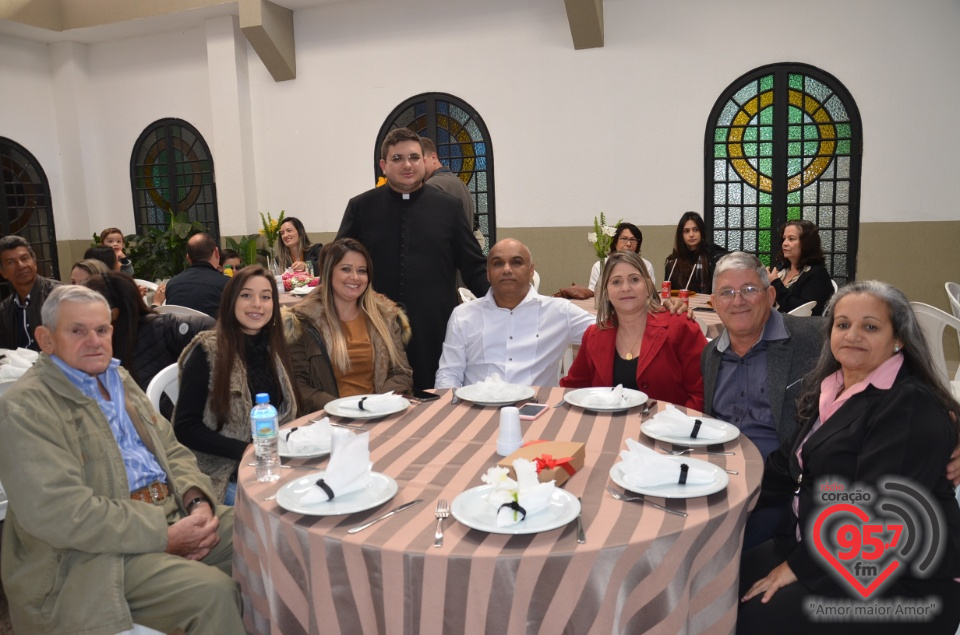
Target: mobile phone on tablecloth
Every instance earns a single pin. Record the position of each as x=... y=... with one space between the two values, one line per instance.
x=423 y=395
x=530 y=411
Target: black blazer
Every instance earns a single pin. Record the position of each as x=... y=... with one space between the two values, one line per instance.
x=902 y=431
x=813 y=284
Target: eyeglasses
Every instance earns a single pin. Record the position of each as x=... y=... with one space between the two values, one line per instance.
x=397 y=159
x=628 y=241
x=749 y=293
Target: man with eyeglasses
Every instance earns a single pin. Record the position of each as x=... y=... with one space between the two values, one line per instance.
x=418 y=239
x=20 y=313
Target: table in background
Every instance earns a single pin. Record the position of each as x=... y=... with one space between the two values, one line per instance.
x=641 y=570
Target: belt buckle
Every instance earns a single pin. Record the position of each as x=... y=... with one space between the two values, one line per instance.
x=155 y=492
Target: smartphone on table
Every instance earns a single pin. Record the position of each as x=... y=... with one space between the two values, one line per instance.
x=423 y=395
x=530 y=411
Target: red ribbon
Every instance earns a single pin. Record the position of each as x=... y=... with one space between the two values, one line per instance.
x=546 y=461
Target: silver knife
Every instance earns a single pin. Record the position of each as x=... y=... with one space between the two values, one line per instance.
x=387 y=515
x=581 y=538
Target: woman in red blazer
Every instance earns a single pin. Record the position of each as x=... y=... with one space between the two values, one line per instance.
x=636 y=342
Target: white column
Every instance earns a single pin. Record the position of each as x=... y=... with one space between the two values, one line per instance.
x=232 y=143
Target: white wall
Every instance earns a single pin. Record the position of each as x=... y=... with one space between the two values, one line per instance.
x=617 y=129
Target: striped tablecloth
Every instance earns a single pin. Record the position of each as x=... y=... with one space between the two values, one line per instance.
x=641 y=570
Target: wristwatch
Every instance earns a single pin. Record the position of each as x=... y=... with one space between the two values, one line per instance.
x=196 y=501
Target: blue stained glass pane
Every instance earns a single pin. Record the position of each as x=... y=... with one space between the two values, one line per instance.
x=443 y=137
x=443 y=107
x=480 y=148
x=481 y=163
x=420 y=108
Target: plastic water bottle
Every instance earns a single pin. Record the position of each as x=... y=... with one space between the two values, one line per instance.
x=263 y=420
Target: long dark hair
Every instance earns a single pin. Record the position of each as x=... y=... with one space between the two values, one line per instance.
x=286 y=257
x=231 y=338
x=122 y=294
x=916 y=354
x=633 y=230
x=811 y=250
x=684 y=260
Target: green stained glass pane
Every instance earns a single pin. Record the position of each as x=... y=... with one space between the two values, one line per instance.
x=766 y=82
x=750 y=134
x=766 y=198
x=835 y=107
x=794 y=115
x=766 y=116
x=844 y=131
x=794 y=133
x=750 y=149
x=766 y=133
x=719 y=150
x=720 y=134
x=793 y=149
x=810 y=148
x=766 y=167
x=746 y=93
x=766 y=149
x=764 y=217
x=796 y=81
x=810 y=132
x=843 y=147
x=763 y=245
x=793 y=212
x=793 y=197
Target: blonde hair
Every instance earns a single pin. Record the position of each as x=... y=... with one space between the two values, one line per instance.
x=606 y=314
x=330 y=257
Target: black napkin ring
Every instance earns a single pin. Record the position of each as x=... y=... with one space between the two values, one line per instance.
x=291 y=431
x=360 y=403
x=515 y=506
x=684 y=468
x=696 y=428
x=326 y=488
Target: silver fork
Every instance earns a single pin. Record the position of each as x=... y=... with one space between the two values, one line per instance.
x=693 y=451
x=443 y=510
x=640 y=499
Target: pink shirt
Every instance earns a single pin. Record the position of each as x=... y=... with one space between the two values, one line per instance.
x=882 y=377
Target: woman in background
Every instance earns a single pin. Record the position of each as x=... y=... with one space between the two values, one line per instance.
x=628 y=237
x=294 y=249
x=802 y=276
x=85 y=269
x=222 y=371
x=638 y=343
x=346 y=339
x=690 y=265
x=113 y=238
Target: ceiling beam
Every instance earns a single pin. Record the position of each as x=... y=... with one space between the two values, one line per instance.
x=586 y=23
x=269 y=29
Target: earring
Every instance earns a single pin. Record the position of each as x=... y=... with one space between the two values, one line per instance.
x=896 y=349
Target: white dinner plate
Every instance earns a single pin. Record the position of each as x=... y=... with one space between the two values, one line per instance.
x=302 y=290
x=730 y=431
x=511 y=394
x=632 y=399
x=471 y=509
x=346 y=407
x=323 y=451
x=675 y=490
x=378 y=491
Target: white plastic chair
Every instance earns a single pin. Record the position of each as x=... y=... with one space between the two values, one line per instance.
x=178 y=310
x=146 y=284
x=536 y=280
x=834 y=283
x=933 y=321
x=139 y=629
x=953 y=292
x=3 y=503
x=466 y=295
x=166 y=381
x=804 y=310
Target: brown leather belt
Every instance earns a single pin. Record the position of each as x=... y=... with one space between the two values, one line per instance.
x=155 y=492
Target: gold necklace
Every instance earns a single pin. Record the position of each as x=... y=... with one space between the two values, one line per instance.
x=629 y=355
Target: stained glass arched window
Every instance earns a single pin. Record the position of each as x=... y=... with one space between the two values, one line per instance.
x=171 y=170
x=463 y=145
x=783 y=142
x=25 y=207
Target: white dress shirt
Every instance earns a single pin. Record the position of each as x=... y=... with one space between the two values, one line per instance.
x=524 y=344
x=598 y=269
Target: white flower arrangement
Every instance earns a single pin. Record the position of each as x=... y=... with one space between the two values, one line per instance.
x=602 y=235
x=527 y=491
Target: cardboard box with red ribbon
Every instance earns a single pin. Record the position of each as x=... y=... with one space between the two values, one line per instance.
x=555 y=460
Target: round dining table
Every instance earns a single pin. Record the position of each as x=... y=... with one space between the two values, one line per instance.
x=639 y=570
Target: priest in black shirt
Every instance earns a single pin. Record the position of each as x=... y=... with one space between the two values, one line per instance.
x=418 y=239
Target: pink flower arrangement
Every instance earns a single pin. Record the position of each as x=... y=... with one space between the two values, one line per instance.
x=294 y=279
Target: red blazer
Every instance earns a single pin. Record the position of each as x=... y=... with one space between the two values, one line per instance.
x=668 y=368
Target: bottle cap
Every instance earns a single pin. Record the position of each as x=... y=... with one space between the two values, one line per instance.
x=263 y=397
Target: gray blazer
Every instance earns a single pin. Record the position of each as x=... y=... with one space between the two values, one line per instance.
x=787 y=361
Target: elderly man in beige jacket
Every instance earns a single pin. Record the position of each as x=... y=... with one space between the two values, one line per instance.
x=110 y=523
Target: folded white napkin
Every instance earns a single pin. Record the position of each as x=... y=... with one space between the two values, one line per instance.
x=642 y=467
x=312 y=439
x=532 y=496
x=606 y=399
x=673 y=423
x=493 y=388
x=19 y=358
x=387 y=402
x=9 y=372
x=348 y=470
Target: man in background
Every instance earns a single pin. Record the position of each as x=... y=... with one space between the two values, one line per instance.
x=201 y=284
x=20 y=313
x=439 y=176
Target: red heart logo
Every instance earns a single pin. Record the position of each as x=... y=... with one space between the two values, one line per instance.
x=865 y=591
